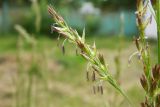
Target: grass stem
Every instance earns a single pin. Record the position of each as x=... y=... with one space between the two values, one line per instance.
x=158 y=28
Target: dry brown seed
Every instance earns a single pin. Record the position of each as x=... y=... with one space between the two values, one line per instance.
x=53 y=14
x=51 y=11
x=63 y=34
x=147 y=105
x=153 y=85
x=146 y=102
x=144 y=69
x=158 y=68
x=143 y=82
x=96 y=70
x=93 y=76
x=139 y=20
x=81 y=45
x=155 y=72
x=101 y=58
x=82 y=51
x=143 y=105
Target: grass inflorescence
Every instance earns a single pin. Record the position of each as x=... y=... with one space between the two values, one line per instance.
x=97 y=70
x=150 y=77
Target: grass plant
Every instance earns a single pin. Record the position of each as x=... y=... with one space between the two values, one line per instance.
x=30 y=77
x=97 y=70
x=151 y=75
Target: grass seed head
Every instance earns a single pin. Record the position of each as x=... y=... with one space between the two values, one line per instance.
x=153 y=86
x=143 y=104
x=86 y=51
x=54 y=15
x=81 y=46
x=101 y=58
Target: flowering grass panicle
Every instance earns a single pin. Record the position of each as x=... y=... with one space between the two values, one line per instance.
x=97 y=68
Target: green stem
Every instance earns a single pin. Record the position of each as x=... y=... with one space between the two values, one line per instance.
x=158 y=28
x=29 y=92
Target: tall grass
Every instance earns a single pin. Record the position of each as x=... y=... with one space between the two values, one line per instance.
x=38 y=16
x=30 y=78
x=158 y=27
x=151 y=75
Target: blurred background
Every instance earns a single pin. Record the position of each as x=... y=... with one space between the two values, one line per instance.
x=102 y=17
x=35 y=73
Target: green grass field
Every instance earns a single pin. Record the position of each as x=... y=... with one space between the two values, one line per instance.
x=65 y=74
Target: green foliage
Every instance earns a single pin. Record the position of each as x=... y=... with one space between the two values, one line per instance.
x=35 y=70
